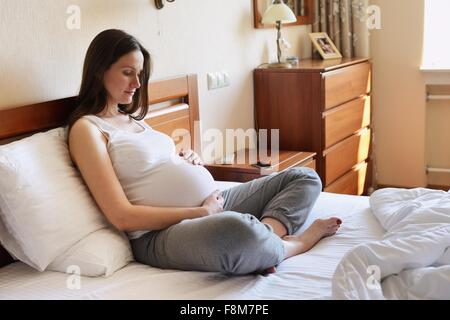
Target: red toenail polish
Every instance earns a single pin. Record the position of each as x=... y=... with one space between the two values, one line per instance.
x=339 y=221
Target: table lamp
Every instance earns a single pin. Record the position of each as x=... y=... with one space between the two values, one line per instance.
x=278 y=12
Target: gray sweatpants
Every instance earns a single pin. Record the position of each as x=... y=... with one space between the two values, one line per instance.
x=235 y=241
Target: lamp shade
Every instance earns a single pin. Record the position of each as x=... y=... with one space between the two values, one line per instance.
x=278 y=11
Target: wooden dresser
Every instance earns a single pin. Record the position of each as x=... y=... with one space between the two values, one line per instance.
x=322 y=106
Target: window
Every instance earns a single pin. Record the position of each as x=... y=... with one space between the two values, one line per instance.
x=436 y=47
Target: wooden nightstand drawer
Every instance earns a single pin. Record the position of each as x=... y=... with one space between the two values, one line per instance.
x=309 y=164
x=223 y=174
x=351 y=183
x=343 y=121
x=346 y=154
x=347 y=83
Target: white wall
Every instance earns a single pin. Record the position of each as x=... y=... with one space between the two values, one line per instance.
x=41 y=60
x=399 y=93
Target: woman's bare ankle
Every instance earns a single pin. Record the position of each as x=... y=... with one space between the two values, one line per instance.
x=319 y=229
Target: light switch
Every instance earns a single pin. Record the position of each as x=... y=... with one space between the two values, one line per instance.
x=212 y=81
x=218 y=80
x=226 y=79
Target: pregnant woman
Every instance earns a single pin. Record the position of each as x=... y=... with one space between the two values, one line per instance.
x=167 y=203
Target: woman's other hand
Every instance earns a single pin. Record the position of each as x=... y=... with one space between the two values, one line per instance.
x=214 y=203
x=191 y=157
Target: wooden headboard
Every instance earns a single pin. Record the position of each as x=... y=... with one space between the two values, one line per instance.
x=173 y=105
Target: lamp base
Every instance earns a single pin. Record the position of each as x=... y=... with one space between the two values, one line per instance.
x=280 y=65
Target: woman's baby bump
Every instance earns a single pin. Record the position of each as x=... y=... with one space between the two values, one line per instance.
x=174 y=183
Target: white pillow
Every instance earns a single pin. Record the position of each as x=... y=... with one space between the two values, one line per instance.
x=47 y=211
x=100 y=253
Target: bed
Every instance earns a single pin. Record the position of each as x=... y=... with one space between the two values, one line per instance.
x=174 y=104
x=307 y=276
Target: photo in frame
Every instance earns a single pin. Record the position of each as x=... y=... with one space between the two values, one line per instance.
x=324 y=45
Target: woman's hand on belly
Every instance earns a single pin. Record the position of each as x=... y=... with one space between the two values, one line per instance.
x=214 y=203
x=191 y=157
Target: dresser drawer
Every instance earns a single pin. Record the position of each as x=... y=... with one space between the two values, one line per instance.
x=343 y=156
x=345 y=84
x=343 y=121
x=351 y=183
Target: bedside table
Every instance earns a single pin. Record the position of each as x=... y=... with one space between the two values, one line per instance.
x=246 y=172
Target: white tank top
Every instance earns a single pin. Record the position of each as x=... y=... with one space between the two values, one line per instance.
x=149 y=170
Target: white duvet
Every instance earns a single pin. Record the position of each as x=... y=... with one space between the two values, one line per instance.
x=412 y=261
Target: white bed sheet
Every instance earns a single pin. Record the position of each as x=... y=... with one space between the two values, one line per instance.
x=306 y=276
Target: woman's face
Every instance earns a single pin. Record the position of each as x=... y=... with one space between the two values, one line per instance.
x=121 y=80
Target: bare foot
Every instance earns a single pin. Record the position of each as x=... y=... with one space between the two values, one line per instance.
x=270 y=270
x=266 y=272
x=319 y=229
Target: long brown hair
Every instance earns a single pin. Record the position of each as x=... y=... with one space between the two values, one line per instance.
x=106 y=48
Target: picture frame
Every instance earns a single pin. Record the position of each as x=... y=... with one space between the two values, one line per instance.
x=324 y=45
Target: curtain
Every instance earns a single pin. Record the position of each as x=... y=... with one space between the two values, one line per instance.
x=345 y=22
